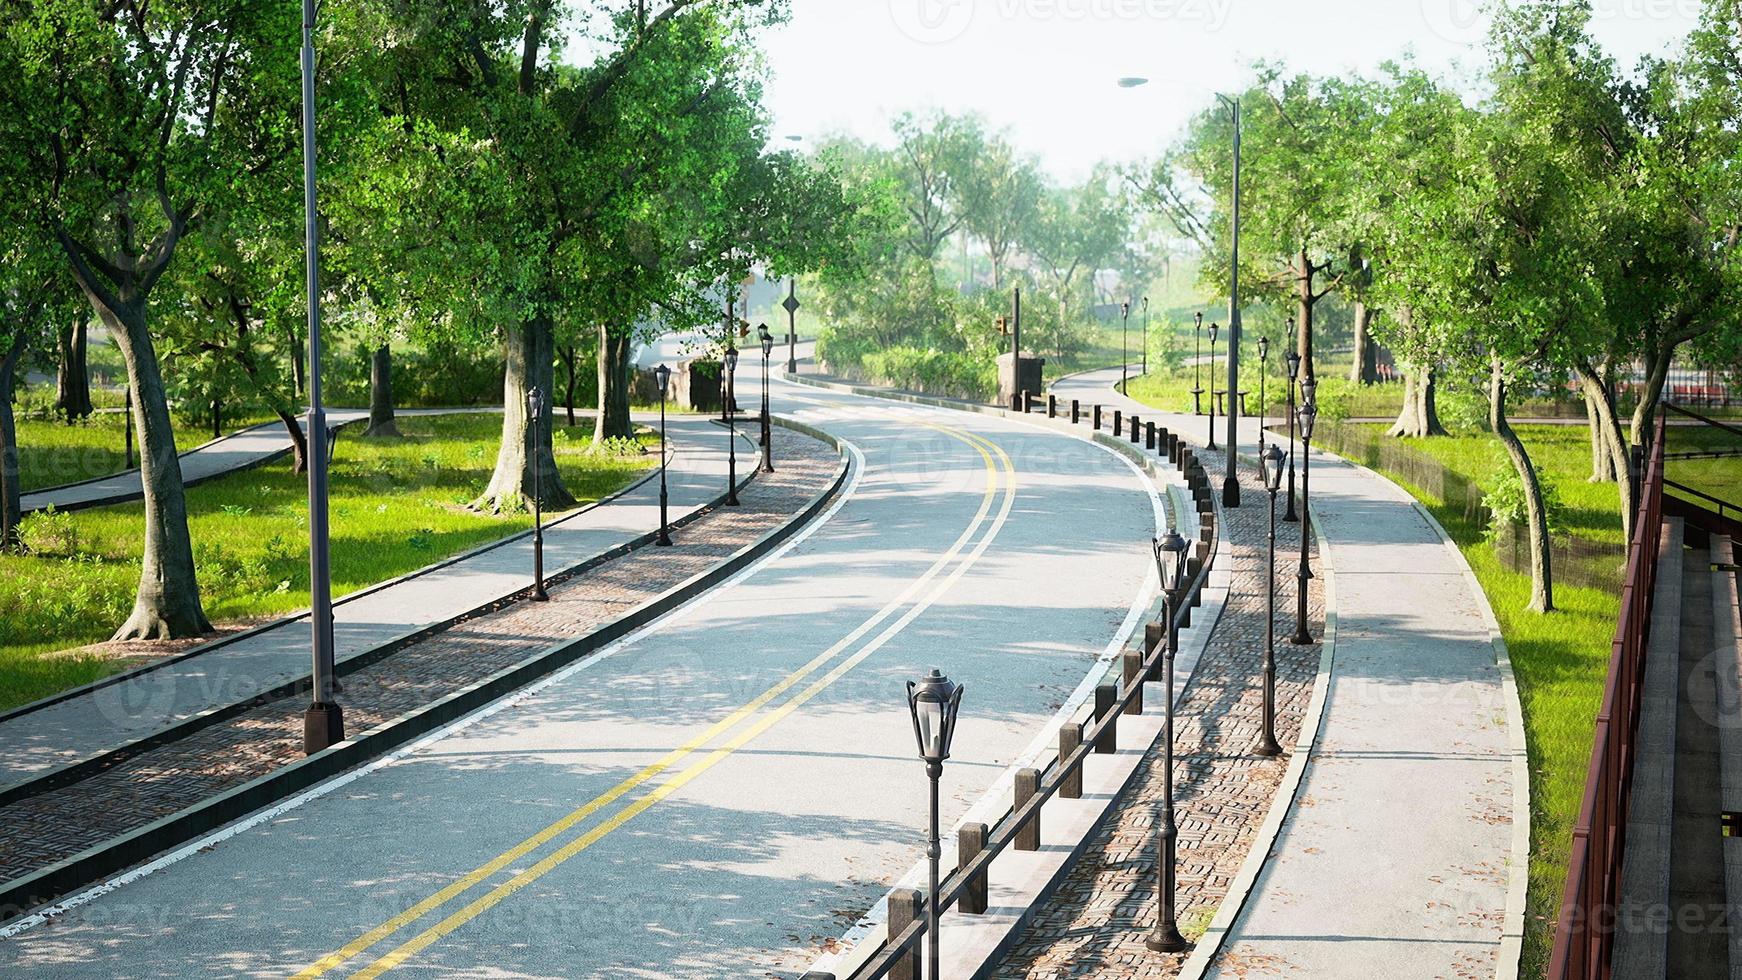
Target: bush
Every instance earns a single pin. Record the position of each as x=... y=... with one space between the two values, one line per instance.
x=1462 y=411
x=1334 y=397
x=49 y=532
x=933 y=372
x=1506 y=504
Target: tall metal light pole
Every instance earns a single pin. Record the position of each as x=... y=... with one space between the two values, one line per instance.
x=535 y=409
x=791 y=307
x=1124 y=353
x=1197 y=363
x=731 y=424
x=1272 y=463
x=934 y=703
x=323 y=723
x=1146 y=335
x=1170 y=561
x=1016 y=354
x=1308 y=413
x=767 y=430
x=1213 y=329
x=1263 y=375
x=662 y=374
x=1230 y=475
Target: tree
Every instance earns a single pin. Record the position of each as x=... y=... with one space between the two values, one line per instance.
x=998 y=193
x=1076 y=231
x=933 y=154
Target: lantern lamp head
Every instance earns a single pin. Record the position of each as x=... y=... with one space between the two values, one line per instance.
x=1274 y=459
x=1264 y=349
x=1170 y=552
x=662 y=376
x=1213 y=328
x=731 y=359
x=934 y=702
x=767 y=340
x=1293 y=364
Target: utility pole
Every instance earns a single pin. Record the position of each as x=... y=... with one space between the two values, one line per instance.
x=1230 y=479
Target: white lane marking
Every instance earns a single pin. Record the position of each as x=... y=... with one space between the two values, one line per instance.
x=13 y=929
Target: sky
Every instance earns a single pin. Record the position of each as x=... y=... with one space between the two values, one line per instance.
x=1048 y=69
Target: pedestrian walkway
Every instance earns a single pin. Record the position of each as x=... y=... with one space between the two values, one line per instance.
x=1403 y=854
x=236 y=451
x=89 y=721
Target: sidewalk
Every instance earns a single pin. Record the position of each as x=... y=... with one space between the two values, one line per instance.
x=236 y=451
x=89 y=721
x=1403 y=853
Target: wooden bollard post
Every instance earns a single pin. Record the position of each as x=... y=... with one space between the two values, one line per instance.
x=1107 y=742
x=1149 y=436
x=1154 y=635
x=1135 y=427
x=1116 y=417
x=1070 y=737
x=1097 y=422
x=904 y=906
x=1076 y=412
x=1134 y=680
x=1027 y=785
x=970 y=841
x=1052 y=406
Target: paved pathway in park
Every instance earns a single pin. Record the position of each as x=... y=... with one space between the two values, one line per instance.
x=715 y=795
x=1397 y=857
x=238 y=450
x=41 y=737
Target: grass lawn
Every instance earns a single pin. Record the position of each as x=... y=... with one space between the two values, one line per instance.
x=51 y=452
x=397 y=505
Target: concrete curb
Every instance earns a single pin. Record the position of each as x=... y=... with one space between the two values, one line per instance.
x=450 y=561
x=95 y=863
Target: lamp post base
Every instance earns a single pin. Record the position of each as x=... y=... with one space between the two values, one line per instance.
x=323 y=725
x=1268 y=750
x=1230 y=491
x=1166 y=939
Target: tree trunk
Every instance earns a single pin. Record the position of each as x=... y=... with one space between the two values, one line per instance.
x=167 y=605
x=1657 y=362
x=298 y=440
x=528 y=359
x=9 y=489
x=381 y=393
x=217 y=418
x=569 y=355
x=298 y=362
x=1541 y=561
x=1609 y=462
x=1365 y=370
x=1419 y=416
x=73 y=378
x=613 y=418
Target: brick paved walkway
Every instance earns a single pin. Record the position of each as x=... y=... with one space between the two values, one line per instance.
x=1095 y=923
x=41 y=830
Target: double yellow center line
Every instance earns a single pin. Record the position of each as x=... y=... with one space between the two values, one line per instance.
x=999 y=470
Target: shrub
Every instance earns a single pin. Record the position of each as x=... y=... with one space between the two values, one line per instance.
x=933 y=372
x=49 y=532
x=1506 y=504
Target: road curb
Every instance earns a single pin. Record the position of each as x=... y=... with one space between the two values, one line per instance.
x=93 y=864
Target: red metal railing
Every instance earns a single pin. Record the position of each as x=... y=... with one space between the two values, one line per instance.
x=1585 y=929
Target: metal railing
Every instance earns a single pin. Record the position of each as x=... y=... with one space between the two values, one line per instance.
x=964 y=889
x=1584 y=930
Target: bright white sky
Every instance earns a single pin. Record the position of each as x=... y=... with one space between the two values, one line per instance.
x=1047 y=68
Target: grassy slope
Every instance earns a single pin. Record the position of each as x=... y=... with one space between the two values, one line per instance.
x=396 y=506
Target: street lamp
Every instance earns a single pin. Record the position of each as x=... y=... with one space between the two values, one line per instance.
x=1293 y=359
x=1263 y=409
x=662 y=375
x=1309 y=413
x=1124 y=352
x=323 y=724
x=535 y=415
x=933 y=701
x=1146 y=335
x=1213 y=329
x=1273 y=464
x=1197 y=366
x=731 y=399
x=767 y=433
x=1170 y=564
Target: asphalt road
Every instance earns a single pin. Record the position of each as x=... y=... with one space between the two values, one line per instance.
x=717 y=795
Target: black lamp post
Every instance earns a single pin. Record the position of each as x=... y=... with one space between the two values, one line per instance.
x=1145 y=335
x=1308 y=414
x=767 y=432
x=1197 y=366
x=535 y=411
x=1263 y=409
x=1293 y=360
x=1124 y=350
x=933 y=701
x=731 y=399
x=1170 y=563
x=1213 y=329
x=1273 y=463
x=662 y=375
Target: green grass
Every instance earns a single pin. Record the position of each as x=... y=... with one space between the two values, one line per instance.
x=396 y=506
x=51 y=452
